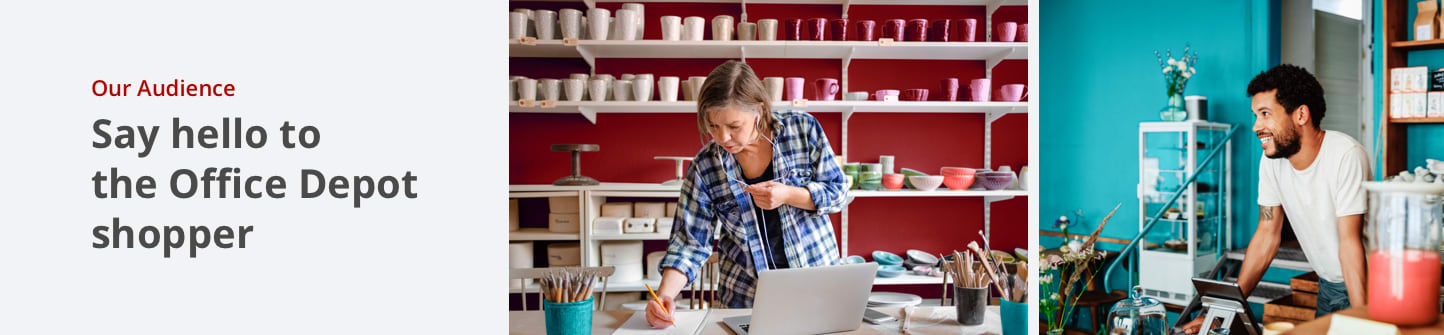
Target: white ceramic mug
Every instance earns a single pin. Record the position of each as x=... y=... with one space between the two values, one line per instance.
x=551 y=89
x=642 y=88
x=571 y=22
x=774 y=87
x=746 y=31
x=692 y=28
x=626 y=25
x=696 y=84
x=609 y=79
x=671 y=28
x=526 y=89
x=641 y=24
x=598 y=90
x=584 y=78
x=518 y=25
x=575 y=89
x=622 y=90
x=530 y=16
x=667 y=88
x=767 y=30
x=545 y=24
x=628 y=76
x=722 y=28
x=599 y=20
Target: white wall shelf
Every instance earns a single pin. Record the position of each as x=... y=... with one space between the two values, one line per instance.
x=541 y=234
x=590 y=50
x=590 y=109
x=633 y=237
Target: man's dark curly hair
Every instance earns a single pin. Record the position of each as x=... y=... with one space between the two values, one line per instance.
x=1296 y=87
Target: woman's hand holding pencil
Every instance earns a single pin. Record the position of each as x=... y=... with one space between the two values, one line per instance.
x=660 y=310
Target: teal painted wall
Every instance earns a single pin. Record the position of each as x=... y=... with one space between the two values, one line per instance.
x=1102 y=78
x=1425 y=140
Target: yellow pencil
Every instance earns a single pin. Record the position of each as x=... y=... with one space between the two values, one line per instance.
x=659 y=300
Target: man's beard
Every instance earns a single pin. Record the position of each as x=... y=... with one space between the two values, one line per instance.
x=1286 y=144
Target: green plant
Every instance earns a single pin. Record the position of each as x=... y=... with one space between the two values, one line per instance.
x=1176 y=72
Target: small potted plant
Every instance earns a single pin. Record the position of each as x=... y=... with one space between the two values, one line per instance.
x=1176 y=73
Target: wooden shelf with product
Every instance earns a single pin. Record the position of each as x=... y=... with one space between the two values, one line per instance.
x=964 y=59
x=1394 y=132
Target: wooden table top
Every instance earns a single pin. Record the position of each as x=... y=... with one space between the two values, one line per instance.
x=1321 y=325
x=925 y=321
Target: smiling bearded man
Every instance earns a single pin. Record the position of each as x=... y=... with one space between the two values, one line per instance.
x=1315 y=178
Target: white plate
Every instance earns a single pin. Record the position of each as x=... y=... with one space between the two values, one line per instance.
x=891 y=299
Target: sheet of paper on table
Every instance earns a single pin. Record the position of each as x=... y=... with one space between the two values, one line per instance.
x=687 y=324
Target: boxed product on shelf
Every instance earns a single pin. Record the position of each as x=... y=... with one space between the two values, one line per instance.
x=513 y=217
x=664 y=225
x=640 y=226
x=564 y=254
x=607 y=225
x=564 y=223
x=520 y=257
x=671 y=209
x=1426 y=22
x=1408 y=105
x=650 y=209
x=1409 y=79
x=1436 y=104
x=617 y=209
x=626 y=256
x=564 y=205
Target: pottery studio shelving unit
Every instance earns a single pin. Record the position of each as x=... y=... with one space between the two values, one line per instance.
x=1393 y=132
x=592 y=197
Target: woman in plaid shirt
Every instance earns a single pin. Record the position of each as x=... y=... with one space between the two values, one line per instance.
x=762 y=188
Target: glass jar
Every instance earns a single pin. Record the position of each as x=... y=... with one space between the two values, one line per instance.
x=1175 y=110
x=1404 y=229
x=1138 y=315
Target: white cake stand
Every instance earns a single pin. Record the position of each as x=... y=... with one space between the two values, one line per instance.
x=679 y=160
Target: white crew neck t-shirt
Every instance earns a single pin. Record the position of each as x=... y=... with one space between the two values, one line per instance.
x=1314 y=198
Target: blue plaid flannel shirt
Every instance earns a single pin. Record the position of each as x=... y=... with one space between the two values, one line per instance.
x=801 y=157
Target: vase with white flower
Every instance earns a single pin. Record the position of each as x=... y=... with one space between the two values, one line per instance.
x=1176 y=73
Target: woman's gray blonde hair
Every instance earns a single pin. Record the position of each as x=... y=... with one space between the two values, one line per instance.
x=733 y=84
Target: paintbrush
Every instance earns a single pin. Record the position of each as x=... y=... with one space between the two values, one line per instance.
x=988 y=267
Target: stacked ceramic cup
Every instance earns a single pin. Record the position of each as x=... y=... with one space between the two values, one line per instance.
x=602 y=87
x=627 y=23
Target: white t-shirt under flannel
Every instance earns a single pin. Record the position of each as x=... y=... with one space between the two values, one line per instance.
x=1314 y=198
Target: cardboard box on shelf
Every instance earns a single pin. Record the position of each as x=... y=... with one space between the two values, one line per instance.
x=564 y=254
x=1426 y=23
x=564 y=223
x=650 y=209
x=564 y=205
x=1436 y=80
x=617 y=209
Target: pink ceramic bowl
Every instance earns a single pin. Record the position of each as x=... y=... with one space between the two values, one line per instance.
x=958 y=182
x=883 y=93
x=958 y=171
x=892 y=181
x=926 y=183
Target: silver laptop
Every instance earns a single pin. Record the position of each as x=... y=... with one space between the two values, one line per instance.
x=813 y=300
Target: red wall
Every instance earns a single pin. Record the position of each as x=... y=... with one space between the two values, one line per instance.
x=924 y=142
